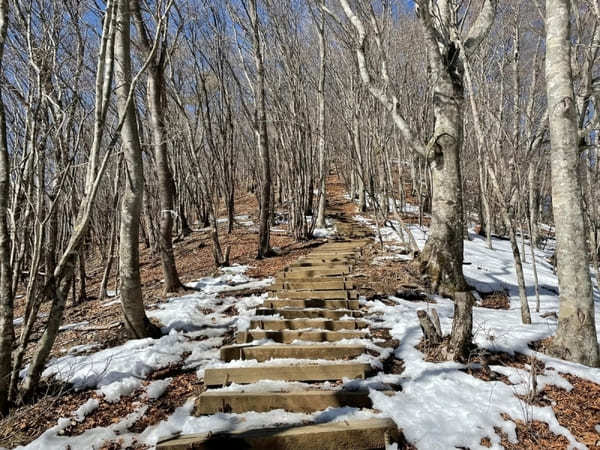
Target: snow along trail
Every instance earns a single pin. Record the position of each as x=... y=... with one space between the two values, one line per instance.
x=119 y=370
x=442 y=407
x=439 y=407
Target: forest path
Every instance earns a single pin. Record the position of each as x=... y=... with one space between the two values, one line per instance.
x=306 y=350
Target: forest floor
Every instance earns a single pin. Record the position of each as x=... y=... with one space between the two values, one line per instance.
x=112 y=393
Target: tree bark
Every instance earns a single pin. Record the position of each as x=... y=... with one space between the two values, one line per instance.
x=132 y=303
x=462 y=326
x=575 y=338
x=6 y=292
x=166 y=185
x=156 y=97
x=321 y=100
x=262 y=138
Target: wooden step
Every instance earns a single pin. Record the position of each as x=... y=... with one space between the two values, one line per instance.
x=314 y=372
x=289 y=336
x=277 y=351
x=332 y=253
x=318 y=284
x=326 y=269
x=347 y=434
x=355 y=234
x=302 y=273
x=311 y=303
x=213 y=402
x=340 y=245
x=316 y=259
x=300 y=324
x=325 y=295
x=317 y=265
x=297 y=313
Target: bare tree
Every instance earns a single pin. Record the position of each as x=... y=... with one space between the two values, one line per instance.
x=6 y=292
x=260 y=130
x=576 y=338
x=320 y=23
x=442 y=256
x=156 y=96
x=132 y=302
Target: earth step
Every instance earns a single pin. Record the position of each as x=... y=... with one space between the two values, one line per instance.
x=212 y=402
x=310 y=272
x=319 y=284
x=313 y=372
x=311 y=303
x=289 y=336
x=278 y=351
x=325 y=295
x=354 y=434
x=292 y=313
x=300 y=324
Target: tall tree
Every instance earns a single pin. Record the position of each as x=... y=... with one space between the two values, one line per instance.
x=442 y=257
x=260 y=131
x=6 y=294
x=156 y=96
x=136 y=321
x=576 y=337
x=320 y=23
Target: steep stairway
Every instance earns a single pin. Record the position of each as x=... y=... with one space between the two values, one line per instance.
x=295 y=337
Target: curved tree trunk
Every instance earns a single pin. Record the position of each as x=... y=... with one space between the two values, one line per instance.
x=442 y=257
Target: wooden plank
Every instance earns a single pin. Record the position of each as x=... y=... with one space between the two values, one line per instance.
x=212 y=402
x=348 y=434
x=316 y=372
x=274 y=351
x=311 y=303
x=324 y=295
x=289 y=336
x=295 y=313
x=299 y=324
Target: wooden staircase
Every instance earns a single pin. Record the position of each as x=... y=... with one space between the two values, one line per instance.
x=312 y=305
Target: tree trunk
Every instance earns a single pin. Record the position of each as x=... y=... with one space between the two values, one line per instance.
x=81 y=276
x=462 y=326
x=165 y=178
x=321 y=99
x=514 y=245
x=6 y=294
x=108 y=261
x=113 y=233
x=575 y=338
x=136 y=321
x=155 y=94
x=442 y=257
x=262 y=139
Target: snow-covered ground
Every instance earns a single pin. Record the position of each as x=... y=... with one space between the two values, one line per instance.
x=439 y=407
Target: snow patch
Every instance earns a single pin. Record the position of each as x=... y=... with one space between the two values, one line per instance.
x=114 y=391
x=157 y=388
x=86 y=409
